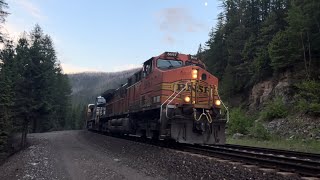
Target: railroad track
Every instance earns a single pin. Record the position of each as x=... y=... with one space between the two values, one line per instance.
x=304 y=164
x=279 y=152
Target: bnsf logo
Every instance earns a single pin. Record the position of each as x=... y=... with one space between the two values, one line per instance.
x=199 y=88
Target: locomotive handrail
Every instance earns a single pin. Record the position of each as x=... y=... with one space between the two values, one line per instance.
x=224 y=107
x=164 y=103
x=174 y=98
x=161 y=107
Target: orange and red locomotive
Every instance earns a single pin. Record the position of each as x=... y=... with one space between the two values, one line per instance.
x=172 y=97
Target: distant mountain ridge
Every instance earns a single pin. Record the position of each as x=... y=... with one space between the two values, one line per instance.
x=88 y=85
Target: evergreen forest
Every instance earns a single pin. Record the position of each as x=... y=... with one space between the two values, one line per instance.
x=34 y=92
x=257 y=40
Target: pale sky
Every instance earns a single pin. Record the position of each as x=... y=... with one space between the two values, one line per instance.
x=113 y=35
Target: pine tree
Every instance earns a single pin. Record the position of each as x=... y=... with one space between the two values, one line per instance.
x=296 y=46
x=216 y=57
x=6 y=95
x=283 y=51
x=227 y=84
x=42 y=90
x=43 y=58
x=49 y=90
x=4 y=92
x=262 y=64
x=3 y=15
x=199 y=52
x=32 y=87
x=304 y=24
x=62 y=100
x=255 y=40
x=25 y=101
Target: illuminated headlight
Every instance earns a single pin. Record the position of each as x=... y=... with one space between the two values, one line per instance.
x=187 y=99
x=217 y=102
x=194 y=74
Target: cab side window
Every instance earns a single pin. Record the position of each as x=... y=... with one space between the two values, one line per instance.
x=147 y=68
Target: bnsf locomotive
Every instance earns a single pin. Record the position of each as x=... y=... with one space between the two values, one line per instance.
x=173 y=97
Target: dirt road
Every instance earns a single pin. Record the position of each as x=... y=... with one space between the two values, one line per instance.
x=67 y=155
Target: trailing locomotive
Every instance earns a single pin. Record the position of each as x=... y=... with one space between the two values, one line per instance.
x=171 y=97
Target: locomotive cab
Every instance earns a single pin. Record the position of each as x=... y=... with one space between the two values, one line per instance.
x=95 y=112
x=189 y=101
x=89 y=115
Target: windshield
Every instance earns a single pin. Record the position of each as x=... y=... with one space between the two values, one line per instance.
x=100 y=100
x=168 y=64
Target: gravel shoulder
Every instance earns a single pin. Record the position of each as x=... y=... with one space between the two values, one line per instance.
x=66 y=155
x=87 y=155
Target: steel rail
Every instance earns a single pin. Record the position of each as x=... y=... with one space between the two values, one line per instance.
x=287 y=153
x=299 y=166
x=261 y=157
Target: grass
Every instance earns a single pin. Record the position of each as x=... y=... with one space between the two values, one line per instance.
x=311 y=146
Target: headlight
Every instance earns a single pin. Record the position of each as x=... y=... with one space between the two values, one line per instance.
x=194 y=74
x=187 y=99
x=217 y=102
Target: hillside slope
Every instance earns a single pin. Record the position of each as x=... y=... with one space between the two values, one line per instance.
x=88 y=85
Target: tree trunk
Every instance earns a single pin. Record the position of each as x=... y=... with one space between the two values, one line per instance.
x=309 y=53
x=24 y=132
x=35 y=125
x=304 y=56
x=316 y=20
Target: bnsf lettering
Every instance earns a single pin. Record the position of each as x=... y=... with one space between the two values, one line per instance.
x=201 y=89
x=189 y=88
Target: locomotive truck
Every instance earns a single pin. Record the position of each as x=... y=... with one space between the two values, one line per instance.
x=172 y=97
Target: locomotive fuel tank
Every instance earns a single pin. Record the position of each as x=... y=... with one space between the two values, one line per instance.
x=121 y=125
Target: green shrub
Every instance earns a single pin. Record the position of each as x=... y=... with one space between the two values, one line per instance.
x=274 y=109
x=301 y=105
x=239 y=122
x=308 y=99
x=259 y=132
x=315 y=108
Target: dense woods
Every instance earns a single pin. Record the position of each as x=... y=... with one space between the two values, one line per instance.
x=255 y=41
x=34 y=93
x=266 y=55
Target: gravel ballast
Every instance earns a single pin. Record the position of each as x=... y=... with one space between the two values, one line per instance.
x=87 y=155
